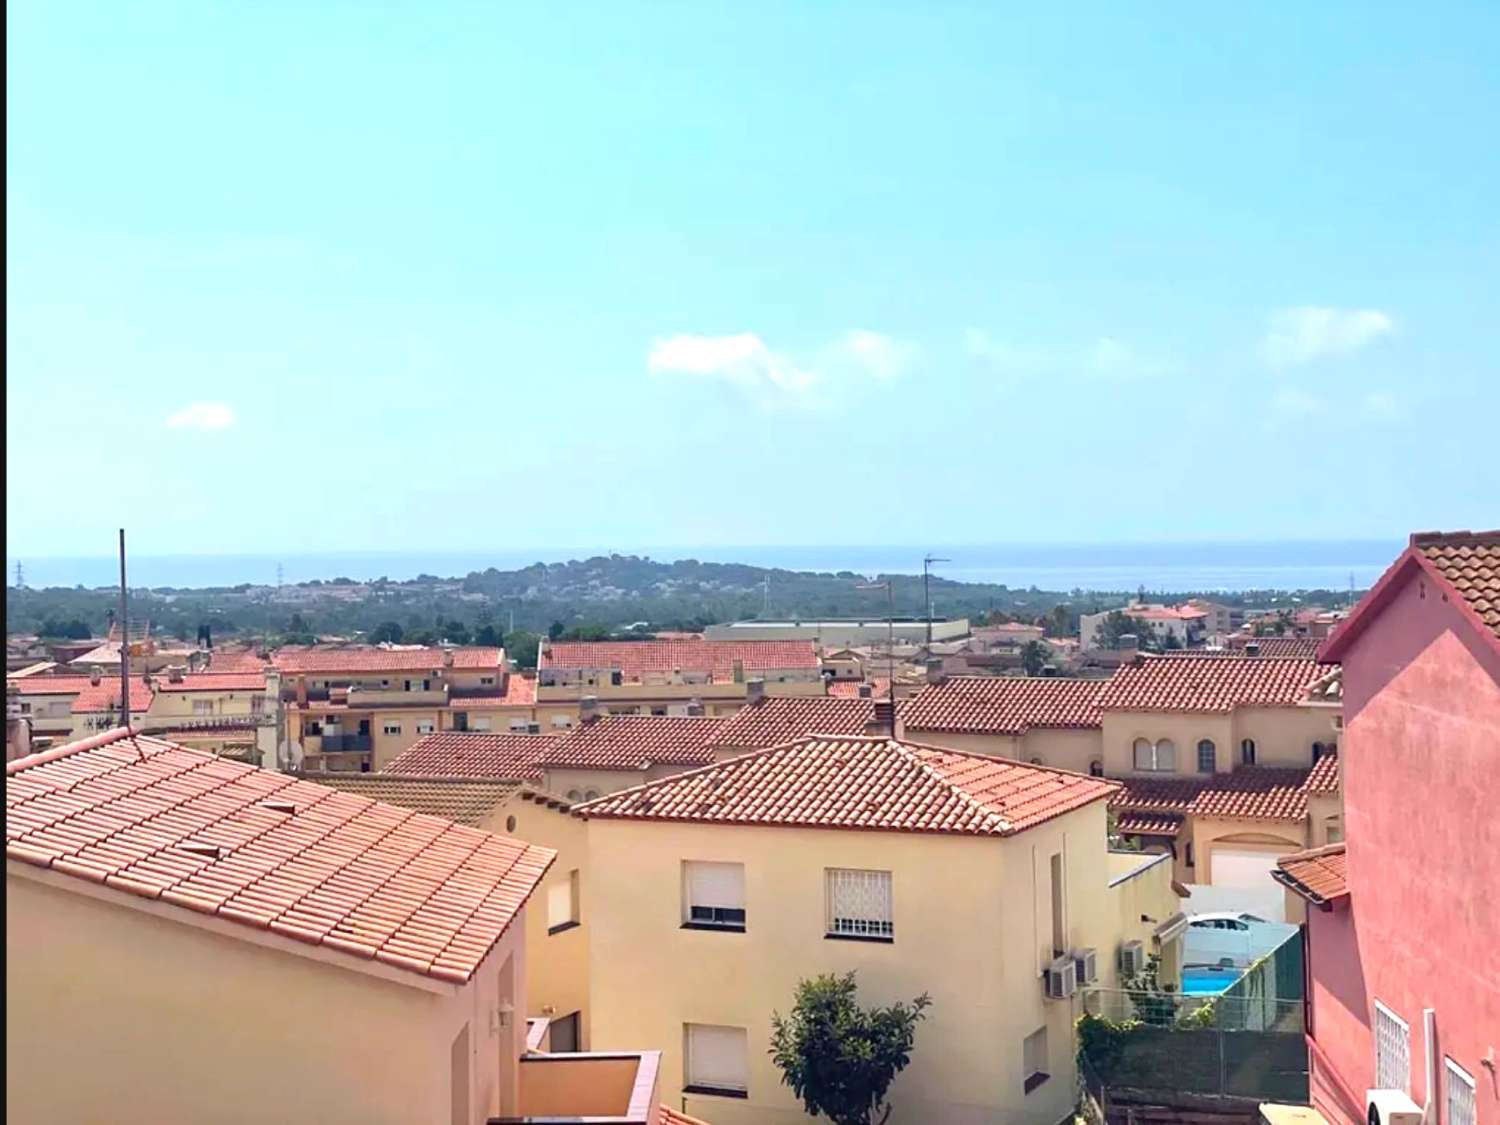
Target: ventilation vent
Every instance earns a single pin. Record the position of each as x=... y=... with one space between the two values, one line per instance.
x=278 y=806
x=207 y=851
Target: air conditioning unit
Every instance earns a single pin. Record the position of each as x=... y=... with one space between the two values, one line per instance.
x=1391 y=1107
x=1062 y=978
x=1086 y=961
x=1132 y=958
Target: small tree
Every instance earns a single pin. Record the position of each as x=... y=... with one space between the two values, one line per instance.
x=387 y=631
x=1033 y=657
x=839 y=1058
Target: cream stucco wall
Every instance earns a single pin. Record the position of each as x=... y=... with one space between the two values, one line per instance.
x=1283 y=736
x=1062 y=749
x=1141 y=900
x=128 y=1010
x=973 y=929
x=557 y=982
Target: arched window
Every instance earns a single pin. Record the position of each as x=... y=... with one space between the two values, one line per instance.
x=1166 y=754
x=1145 y=759
x=1096 y=768
x=1247 y=752
x=574 y=795
x=1162 y=756
x=1208 y=756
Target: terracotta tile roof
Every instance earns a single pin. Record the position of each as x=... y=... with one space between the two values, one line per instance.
x=880 y=688
x=89 y=698
x=1148 y=824
x=1004 y=704
x=1207 y=682
x=1471 y=562
x=236 y=662
x=1278 y=648
x=634 y=742
x=256 y=847
x=772 y=720
x=352 y=660
x=212 y=681
x=452 y=753
x=634 y=658
x=1318 y=875
x=519 y=692
x=463 y=800
x=862 y=783
x=1249 y=793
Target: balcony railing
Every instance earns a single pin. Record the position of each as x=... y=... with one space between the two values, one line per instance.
x=334 y=743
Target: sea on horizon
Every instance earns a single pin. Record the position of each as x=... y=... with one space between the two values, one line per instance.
x=1159 y=567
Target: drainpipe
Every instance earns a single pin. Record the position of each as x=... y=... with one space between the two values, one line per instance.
x=1429 y=1025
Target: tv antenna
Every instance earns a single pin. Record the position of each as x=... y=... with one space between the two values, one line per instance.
x=927 y=562
x=278 y=576
x=20 y=576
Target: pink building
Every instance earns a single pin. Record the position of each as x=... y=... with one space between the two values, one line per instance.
x=1404 y=933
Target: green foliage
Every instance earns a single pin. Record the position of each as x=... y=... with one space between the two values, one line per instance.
x=487 y=634
x=387 y=631
x=555 y=630
x=1102 y=1041
x=1116 y=625
x=297 y=624
x=839 y=1058
x=1156 y=1004
x=455 y=632
x=71 y=630
x=1170 y=642
x=1203 y=1017
x=1034 y=657
x=521 y=648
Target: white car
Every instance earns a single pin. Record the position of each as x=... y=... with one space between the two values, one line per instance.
x=1230 y=939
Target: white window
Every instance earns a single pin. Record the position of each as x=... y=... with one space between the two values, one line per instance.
x=425 y=726
x=1459 y=1095
x=860 y=904
x=203 y=706
x=518 y=725
x=1034 y=1060
x=391 y=728
x=1392 y=1050
x=561 y=721
x=479 y=724
x=257 y=704
x=714 y=895
x=562 y=904
x=1160 y=755
x=716 y=1059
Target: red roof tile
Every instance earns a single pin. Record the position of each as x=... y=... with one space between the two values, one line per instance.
x=51 y=685
x=1207 y=682
x=633 y=658
x=520 y=691
x=880 y=688
x=452 y=753
x=355 y=660
x=1470 y=561
x=157 y=820
x=213 y=681
x=1148 y=824
x=634 y=742
x=863 y=783
x=773 y=720
x=236 y=662
x=1249 y=793
x=89 y=698
x=1318 y=875
x=1282 y=648
x=1004 y=704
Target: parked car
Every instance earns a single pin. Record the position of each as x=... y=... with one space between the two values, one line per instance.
x=1230 y=938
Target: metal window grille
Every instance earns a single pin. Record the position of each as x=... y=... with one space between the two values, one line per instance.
x=859 y=903
x=1460 y=1095
x=1392 y=1050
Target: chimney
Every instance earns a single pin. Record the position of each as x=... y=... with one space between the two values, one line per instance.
x=95 y=674
x=739 y=671
x=885 y=717
x=447 y=658
x=301 y=691
x=588 y=708
x=1252 y=648
x=695 y=708
x=934 y=671
x=755 y=691
x=174 y=673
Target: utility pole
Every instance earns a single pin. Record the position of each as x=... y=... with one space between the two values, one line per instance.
x=21 y=577
x=927 y=594
x=124 y=643
x=278 y=576
x=890 y=641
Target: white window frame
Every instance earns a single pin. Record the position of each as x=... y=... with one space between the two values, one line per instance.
x=390 y=727
x=1154 y=751
x=715 y=1077
x=859 y=904
x=1458 y=1080
x=713 y=895
x=1391 y=1028
x=203 y=707
x=426 y=726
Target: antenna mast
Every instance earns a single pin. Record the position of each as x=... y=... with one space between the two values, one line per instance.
x=21 y=576
x=124 y=643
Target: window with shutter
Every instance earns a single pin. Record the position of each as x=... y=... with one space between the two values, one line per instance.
x=1459 y=1094
x=716 y=1060
x=860 y=905
x=1034 y=1060
x=713 y=895
x=562 y=904
x=1392 y=1050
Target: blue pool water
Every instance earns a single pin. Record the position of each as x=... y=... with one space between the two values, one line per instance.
x=1207 y=982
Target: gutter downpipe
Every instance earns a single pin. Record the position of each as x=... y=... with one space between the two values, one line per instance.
x=1429 y=1026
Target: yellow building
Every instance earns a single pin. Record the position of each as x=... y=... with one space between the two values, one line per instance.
x=61 y=709
x=192 y=939
x=556 y=925
x=230 y=714
x=358 y=708
x=981 y=882
x=670 y=677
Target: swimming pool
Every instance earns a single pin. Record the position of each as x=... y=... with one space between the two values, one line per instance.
x=1203 y=981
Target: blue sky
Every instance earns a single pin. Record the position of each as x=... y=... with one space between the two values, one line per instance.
x=345 y=277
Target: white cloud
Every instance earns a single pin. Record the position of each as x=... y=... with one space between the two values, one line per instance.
x=202 y=416
x=1380 y=406
x=1107 y=358
x=1301 y=335
x=773 y=378
x=1297 y=404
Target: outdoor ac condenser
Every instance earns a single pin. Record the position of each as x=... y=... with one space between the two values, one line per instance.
x=1132 y=958
x=1392 y=1107
x=1062 y=978
x=1086 y=961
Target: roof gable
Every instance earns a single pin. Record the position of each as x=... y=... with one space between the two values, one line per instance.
x=474 y=754
x=773 y=720
x=1005 y=704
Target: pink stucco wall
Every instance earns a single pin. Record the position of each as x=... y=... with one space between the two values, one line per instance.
x=1422 y=814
